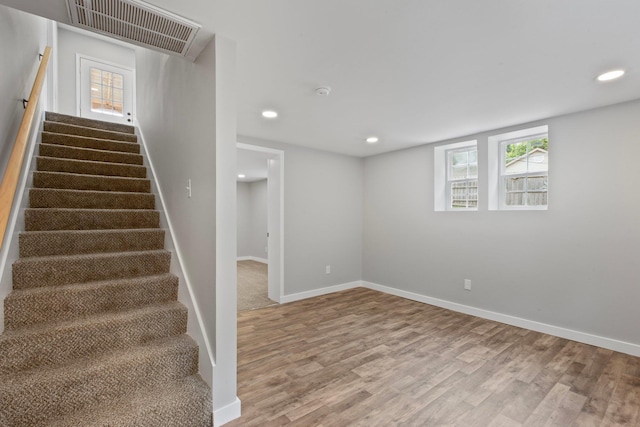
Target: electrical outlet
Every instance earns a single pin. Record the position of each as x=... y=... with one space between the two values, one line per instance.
x=467 y=284
x=327 y=269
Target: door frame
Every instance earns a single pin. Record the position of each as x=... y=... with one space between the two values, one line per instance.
x=79 y=57
x=274 y=181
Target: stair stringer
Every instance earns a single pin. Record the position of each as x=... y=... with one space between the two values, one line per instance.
x=10 y=248
x=195 y=324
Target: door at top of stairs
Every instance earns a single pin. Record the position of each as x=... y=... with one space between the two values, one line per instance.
x=105 y=91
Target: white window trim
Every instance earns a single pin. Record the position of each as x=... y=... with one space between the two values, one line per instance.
x=449 y=180
x=496 y=166
x=440 y=168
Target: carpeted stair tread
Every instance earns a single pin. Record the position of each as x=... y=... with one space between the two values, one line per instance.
x=89 y=219
x=186 y=402
x=33 y=398
x=69 y=129
x=67 y=269
x=30 y=307
x=88 y=199
x=91 y=154
x=91 y=123
x=48 y=345
x=86 y=142
x=88 y=167
x=72 y=242
x=73 y=181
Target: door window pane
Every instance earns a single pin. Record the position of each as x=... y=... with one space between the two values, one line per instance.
x=106 y=92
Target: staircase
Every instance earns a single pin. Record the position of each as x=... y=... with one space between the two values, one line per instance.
x=94 y=334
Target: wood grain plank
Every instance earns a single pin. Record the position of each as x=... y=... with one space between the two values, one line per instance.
x=364 y=358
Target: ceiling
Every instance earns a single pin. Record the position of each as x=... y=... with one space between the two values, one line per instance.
x=413 y=71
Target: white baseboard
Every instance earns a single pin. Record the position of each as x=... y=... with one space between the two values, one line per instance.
x=321 y=291
x=583 y=337
x=227 y=413
x=253 y=258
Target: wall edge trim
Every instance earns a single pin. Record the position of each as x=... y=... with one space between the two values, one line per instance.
x=320 y=291
x=570 y=334
x=227 y=413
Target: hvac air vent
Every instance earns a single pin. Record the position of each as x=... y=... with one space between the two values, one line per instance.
x=136 y=22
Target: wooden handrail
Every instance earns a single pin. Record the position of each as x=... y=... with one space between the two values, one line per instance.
x=12 y=172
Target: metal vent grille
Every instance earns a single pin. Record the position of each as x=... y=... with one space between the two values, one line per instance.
x=135 y=22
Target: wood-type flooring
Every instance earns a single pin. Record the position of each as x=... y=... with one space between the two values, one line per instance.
x=365 y=358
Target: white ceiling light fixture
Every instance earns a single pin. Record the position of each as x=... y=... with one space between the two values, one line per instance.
x=610 y=75
x=240 y=175
x=269 y=114
x=372 y=140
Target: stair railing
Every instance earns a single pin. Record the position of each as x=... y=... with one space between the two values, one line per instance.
x=14 y=166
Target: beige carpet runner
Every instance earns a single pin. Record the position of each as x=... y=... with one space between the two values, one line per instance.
x=94 y=334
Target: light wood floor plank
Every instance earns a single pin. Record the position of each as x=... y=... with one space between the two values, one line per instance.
x=364 y=358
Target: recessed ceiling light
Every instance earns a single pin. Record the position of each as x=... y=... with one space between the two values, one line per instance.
x=241 y=176
x=269 y=114
x=372 y=139
x=610 y=75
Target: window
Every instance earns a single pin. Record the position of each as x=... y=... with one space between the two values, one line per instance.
x=106 y=92
x=462 y=178
x=521 y=167
x=456 y=176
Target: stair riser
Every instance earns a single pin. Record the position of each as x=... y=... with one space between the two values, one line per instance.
x=88 y=132
x=34 y=403
x=39 y=272
x=94 y=143
x=26 y=308
x=45 y=219
x=50 y=198
x=65 y=152
x=52 y=164
x=87 y=242
x=64 y=344
x=90 y=182
x=90 y=123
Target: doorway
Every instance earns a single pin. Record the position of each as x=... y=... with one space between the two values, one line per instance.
x=105 y=91
x=256 y=163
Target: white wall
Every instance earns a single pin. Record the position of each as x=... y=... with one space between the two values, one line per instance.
x=22 y=38
x=322 y=217
x=258 y=239
x=572 y=266
x=180 y=150
x=187 y=116
x=243 y=195
x=71 y=42
x=252 y=219
x=225 y=402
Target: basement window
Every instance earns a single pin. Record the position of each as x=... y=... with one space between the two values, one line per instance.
x=456 y=177
x=520 y=170
x=462 y=178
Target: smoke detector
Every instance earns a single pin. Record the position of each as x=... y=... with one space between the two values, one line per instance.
x=140 y=23
x=323 y=91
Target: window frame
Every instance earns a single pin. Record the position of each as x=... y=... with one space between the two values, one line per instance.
x=449 y=180
x=502 y=176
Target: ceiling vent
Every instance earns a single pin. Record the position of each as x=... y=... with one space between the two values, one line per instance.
x=140 y=23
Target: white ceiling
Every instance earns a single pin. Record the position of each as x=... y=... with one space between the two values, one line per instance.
x=414 y=71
